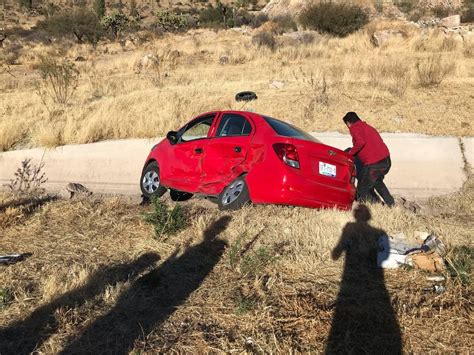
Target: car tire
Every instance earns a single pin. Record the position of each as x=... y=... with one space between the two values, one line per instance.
x=235 y=195
x=180 y=195
x=150 y=182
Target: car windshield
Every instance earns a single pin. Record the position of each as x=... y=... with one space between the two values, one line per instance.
x=287 y=130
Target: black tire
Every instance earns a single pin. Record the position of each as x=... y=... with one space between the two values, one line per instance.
x=180 y=195
x=235 y=195
x=150 y=182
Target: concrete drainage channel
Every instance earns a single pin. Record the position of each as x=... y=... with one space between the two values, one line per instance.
x=422 y=166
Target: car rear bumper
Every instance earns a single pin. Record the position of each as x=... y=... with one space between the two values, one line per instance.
x=286 y=187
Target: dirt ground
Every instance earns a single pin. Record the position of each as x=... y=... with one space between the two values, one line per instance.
x=263 y=279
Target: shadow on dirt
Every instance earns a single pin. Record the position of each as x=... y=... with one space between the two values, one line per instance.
x=25 y=336
x=152 y=298
x=146 y=304
x=28 y=204
x=364 y=320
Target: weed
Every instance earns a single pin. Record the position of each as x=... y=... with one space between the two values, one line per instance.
x=166 y=221
x=460 y=262
x=244 y=303
x=432 y=71
x=160 y=68
x=28 y=179
x=235 y=252
x=59 y=80
x=115 y=23
x=315 y=93
x=254 y=263
x=339 y=19
x=265 y=39
x=6 y=297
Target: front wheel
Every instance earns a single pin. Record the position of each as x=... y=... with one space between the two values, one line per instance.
x=150 y=182
x=235 y=195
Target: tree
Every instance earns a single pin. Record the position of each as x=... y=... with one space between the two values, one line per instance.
x=115 y=22
x=99 y=8
x=82 y=23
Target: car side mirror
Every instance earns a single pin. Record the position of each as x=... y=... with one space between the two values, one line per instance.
x=172 y=136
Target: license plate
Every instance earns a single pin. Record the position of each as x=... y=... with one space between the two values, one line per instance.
x=327 y=169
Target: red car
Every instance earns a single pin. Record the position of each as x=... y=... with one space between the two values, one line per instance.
x=236 y=157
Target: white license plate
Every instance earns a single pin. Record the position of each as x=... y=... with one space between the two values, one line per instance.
x=327 y=169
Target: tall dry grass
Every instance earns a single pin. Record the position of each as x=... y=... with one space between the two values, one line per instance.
x=284 y=303
x=113 y=101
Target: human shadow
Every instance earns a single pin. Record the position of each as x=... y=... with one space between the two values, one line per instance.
x=28 y=204
x=152 y=298
x=23 y=337
x=364 y=320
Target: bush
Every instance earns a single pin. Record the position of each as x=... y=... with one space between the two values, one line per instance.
x=468 y=11
x=99 y=8
x=220 y=16
x=171 y=22
x=406 y=6
x=265 y=39
x=339 y=19
x=6 y=297
x=28 y=179
x=81 y=23
x=284 y=23
x=244 y=18
x=432 y=71
x=115 y=23
x=166 y=221
x=59 y=80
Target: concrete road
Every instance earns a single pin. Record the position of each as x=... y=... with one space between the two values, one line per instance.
x=422 y=166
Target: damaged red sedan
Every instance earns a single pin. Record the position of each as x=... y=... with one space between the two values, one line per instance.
x=237 y=157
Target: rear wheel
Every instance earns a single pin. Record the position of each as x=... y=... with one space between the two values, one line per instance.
x=150 y=182
x=235 y=195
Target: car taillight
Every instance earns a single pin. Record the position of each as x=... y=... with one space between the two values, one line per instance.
x=288 y=154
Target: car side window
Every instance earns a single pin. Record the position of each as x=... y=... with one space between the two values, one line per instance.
x=233 y=125
x=197 y=129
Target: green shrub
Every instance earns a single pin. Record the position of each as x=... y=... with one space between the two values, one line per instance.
x=339 y=19
x=406 y=6
x=166 y=221
x=171 y=22
x=28 y=182
x=460 y=263
x=115 y=23
x=264 y=39
x=26 y=3
x=220 y=16
x=254 y=263
x=99 y=8
x=82 y=23
x=6 y=297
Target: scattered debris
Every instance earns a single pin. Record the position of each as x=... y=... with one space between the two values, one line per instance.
x=436 y=289
x=275 y=84
x=74 y=188
x=13 y=258
x=394 y=252
x=435 y=278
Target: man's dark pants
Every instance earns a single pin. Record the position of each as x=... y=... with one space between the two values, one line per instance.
x=371 y=178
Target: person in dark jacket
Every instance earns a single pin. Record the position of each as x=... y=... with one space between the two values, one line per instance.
x=369 y=147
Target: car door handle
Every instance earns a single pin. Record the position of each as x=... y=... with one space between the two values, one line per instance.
x=198 y=150
x=237 y=149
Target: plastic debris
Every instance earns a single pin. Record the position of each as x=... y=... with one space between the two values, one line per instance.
x=13 y=258
x=435 y=278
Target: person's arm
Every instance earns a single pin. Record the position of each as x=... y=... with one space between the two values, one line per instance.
x=358 y=141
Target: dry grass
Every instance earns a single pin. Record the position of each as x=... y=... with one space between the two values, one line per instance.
x=267 y=283
x=113 y=101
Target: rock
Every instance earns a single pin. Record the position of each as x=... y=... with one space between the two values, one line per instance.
x=276 y=8
x=450 y=21
x=224 y=59
x=275 y=84
x=75 y=188
x=379 y=38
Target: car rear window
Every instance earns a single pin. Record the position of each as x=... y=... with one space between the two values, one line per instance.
x=287 y=130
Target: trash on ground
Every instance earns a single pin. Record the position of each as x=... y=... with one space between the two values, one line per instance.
x=436 y=289
x=13 y=258
x=396 y=251
x=435 y=278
